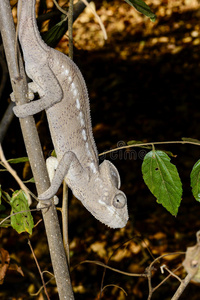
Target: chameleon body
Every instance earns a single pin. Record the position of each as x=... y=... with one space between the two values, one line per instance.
x=63 y=94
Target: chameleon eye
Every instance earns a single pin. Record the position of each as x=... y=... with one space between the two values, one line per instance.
x=119 y=201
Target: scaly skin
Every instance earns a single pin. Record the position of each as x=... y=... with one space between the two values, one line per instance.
x=63 y=94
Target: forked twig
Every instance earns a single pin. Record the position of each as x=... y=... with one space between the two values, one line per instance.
x=182 y=287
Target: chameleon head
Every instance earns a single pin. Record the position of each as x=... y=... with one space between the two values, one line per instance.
x=109 y=204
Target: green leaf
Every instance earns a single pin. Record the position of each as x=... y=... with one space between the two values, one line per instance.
x=53 y=35
x=143 y=8
x=23 y=221
x=53 y=153
x=195 y=180
x=163 y=180
x=31 y=180
x=18 y=160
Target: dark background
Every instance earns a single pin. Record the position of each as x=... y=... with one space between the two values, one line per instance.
x=143 y=84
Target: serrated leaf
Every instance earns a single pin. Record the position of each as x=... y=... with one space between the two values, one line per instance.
x=18 y=160
x=143 y=8
x=23 y=221
x=163 y=180
x=195 y=180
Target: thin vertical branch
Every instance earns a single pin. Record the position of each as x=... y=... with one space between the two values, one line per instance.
x=38 y=266
x=70 y=28
x=35 y=155
x=65 y=220
x=6 y=120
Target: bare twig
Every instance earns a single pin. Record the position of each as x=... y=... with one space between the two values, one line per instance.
x=14 y=174
x=172 y=273
x=4 y=71
x=112 y=269
x=35 y=155
x=38 y=266
x=119 y=287
x=8 y=115
x=6 y=120
x=150 y=268
x=182 y=287
x=65 y=220
x=60 y=8
x=70 y=28
x=149 y=144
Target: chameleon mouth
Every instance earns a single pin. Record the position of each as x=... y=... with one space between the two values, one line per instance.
x=110 y=216
x=117 y=221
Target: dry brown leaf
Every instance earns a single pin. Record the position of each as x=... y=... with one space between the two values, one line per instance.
x=15 y=267
x=5 y=262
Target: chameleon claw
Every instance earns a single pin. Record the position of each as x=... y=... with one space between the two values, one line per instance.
x=22 y=111
x=44 y=204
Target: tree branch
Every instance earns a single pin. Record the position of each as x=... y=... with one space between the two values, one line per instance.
x=35 y=155
x=182 y=287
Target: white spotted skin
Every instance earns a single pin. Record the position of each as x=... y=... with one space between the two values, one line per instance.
x=74 y=110
x=78 y=106
x=63 y=94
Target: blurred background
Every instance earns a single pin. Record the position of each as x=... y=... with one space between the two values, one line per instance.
x=143 y=84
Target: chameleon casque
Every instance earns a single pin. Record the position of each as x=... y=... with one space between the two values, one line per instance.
x=63 y=94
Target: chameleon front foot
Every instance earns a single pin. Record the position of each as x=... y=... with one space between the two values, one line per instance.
x=22 y=111
x=44 y=204
x=47 y=203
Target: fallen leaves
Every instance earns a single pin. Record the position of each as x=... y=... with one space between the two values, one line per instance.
x=5 y=261
x=5 y=265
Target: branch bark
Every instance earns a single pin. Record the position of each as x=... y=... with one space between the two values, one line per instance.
x=35 y=155
x=182 y=287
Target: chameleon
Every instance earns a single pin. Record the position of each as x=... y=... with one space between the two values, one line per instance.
x=63 y=95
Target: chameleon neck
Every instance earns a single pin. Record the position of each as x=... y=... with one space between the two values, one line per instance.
x=26 y=13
